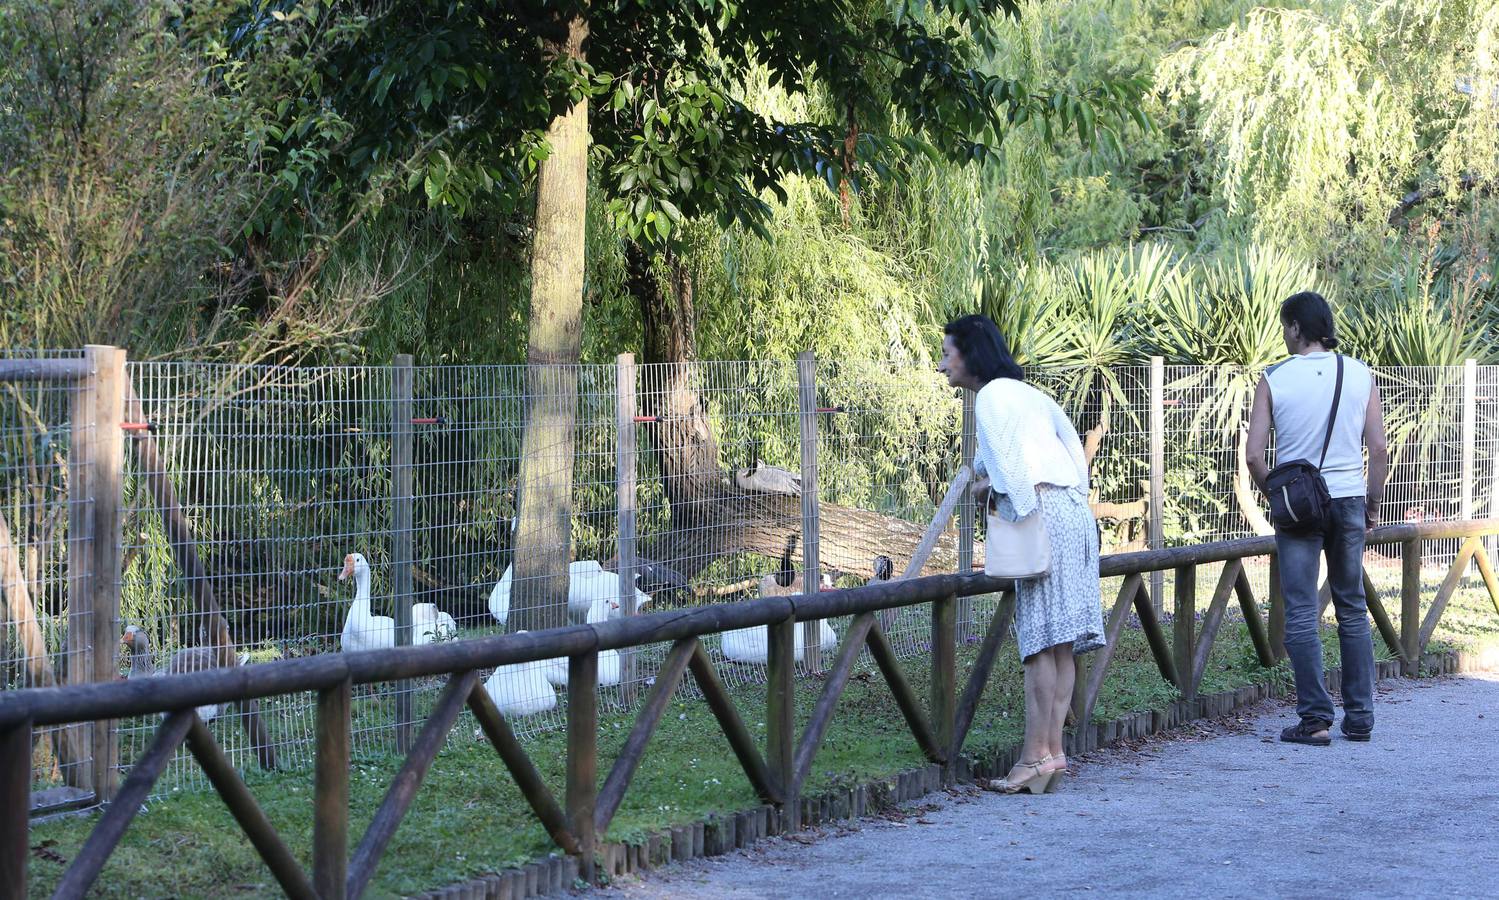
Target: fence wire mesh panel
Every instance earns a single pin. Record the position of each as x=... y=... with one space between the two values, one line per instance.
x=325 y=505
x=289 y=480
x=719 y=484
x=44 y=565
x=1424 y=418
x=554 y=565
x=889 y=445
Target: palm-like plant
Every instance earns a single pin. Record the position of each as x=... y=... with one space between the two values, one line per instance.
x=1071 y=323
x=1074 y=319
x=1225 y=322
x=1436 y=310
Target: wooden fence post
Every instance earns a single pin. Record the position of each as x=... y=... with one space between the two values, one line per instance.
x=402 y=551
x=1183 y=629
x=78 y=662
x=780 y=716
x=967 y=514
x=330 y=828
x=624 y=476
x=583 y=757
x=1410 y=606
x=15 y=812
x=107 y=485
x=1277 y=611
x=944 y=699
x=1155 y=525
x=806 y=379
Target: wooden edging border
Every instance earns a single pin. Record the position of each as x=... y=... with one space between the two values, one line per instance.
x=722 y=833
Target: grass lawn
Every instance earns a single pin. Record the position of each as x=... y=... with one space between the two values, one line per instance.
x=469 y=819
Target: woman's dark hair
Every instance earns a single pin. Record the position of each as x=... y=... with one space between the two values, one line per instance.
x=985 y=353
x=1310 y=312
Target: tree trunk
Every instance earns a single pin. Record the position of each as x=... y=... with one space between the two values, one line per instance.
x=553 y=349
x=33 y=646
x=710 y=516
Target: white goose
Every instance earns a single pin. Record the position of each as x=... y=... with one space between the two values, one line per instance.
x=592 y=593
x=431 y=625
x=521 y=689
x=362 y=629
x=752 y=645
x=555 y=669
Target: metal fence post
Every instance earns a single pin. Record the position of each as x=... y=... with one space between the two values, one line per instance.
x=806 y=379
x=402 y=550
x=107 y=531
x=1155 y=525
x=624 y=476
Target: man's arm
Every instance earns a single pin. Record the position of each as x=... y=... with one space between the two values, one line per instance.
x=1379 y=456
x=1258 y=439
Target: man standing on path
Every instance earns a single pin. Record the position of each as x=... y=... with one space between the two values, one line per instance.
x=1324 y=406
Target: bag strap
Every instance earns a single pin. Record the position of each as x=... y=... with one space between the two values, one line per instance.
x=1337 y=397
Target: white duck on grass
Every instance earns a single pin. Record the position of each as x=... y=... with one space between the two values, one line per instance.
x=189 y=659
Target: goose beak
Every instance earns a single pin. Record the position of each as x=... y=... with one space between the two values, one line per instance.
x=348 y=568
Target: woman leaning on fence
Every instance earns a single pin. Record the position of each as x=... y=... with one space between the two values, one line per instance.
x=1033 y=482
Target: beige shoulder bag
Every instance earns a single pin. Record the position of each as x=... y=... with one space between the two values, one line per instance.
x=1016 y=549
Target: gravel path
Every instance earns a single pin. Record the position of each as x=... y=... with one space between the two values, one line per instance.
x=1220 y=810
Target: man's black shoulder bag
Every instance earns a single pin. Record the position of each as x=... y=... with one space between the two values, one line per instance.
x=1299 y=501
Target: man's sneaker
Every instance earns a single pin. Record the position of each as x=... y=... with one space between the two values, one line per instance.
x=1308 y=731
x=1355 y=734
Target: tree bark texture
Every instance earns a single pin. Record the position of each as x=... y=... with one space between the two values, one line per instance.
x=544 y=533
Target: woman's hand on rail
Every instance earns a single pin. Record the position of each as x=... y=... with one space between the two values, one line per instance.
x=980 y=489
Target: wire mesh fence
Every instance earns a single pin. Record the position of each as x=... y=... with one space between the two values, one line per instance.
x=45 y=634
x=329 y=506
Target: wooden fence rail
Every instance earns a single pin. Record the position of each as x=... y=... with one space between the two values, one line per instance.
x=777 y=772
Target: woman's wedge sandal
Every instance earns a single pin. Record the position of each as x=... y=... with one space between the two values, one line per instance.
x=1036 y=783
x=1056 y=775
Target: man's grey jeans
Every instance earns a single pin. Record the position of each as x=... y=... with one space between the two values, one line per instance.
x=1343 y=543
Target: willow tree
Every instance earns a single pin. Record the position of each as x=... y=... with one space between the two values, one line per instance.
x=1327 y=128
